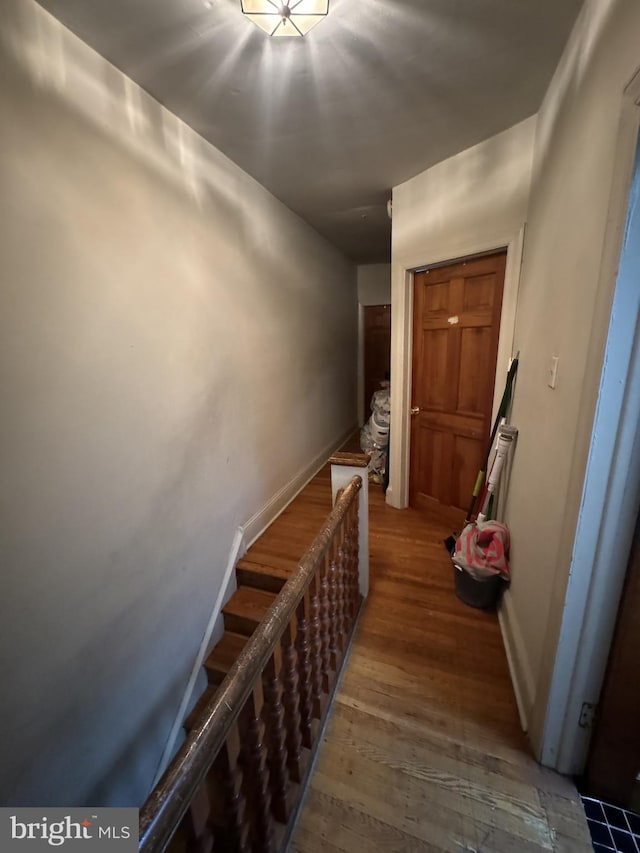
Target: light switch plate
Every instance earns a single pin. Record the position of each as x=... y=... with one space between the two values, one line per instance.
x=553 y=372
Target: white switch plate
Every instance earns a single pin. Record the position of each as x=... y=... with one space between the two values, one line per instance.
x=553 y=372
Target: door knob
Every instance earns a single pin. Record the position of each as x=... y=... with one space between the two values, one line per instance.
x=415 y=410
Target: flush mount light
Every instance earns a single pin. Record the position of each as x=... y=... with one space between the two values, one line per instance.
x=289 y=18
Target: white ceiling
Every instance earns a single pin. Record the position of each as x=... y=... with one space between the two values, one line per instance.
x=376 y=93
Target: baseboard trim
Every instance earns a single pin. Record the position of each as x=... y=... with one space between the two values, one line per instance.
x=258 y=523
x=519 y=668
x=244 y=537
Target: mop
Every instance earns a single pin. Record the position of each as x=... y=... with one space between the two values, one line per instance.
x=502 y=415
x=481 y=554
x=506 y=436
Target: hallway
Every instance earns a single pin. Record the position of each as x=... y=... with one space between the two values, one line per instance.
x=423 y=750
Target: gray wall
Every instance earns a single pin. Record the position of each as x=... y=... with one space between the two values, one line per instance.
x=175 y=346
x=374 y=284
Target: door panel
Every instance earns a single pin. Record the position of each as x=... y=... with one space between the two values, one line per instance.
x=436 y=390
x=437 y=300
x=475 y=343
x=455 y=344
x=479 y=292
x=467 y=461
x=434 y=447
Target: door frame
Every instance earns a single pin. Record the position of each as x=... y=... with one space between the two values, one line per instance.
x=402 y=346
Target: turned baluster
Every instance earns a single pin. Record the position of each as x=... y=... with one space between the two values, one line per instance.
x=195 y=830
x=355 y=552
x=334 y=650
x=291 y=701
x=325 y=655
x=276 y=737
x=256 y=772
x=343 y=590
x=235 y=835
x=304 y=671
x=351 y=566
x=340 y=559
x=344 y=584
x=341 y=608
x=315 y=646
x=346 y=580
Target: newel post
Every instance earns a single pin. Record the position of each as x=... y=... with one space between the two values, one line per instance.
x=344 y=467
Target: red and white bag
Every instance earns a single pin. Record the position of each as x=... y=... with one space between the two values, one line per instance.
x=482 y=550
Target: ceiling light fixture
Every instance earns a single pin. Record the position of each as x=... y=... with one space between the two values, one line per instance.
x=288 y=18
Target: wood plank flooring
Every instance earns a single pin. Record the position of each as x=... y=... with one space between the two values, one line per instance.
x=276 y=553
x=424 y=751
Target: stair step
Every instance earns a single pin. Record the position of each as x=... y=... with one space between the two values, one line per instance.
x=246 y=609
x=274 y=556
x=223 y=656
x=261 y=575
x=196 y=712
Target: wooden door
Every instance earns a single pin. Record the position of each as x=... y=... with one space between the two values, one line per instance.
x=456 y=323
x=614 y=759
x=377 y=350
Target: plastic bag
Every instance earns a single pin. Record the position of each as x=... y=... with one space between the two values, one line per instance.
x=482 y=550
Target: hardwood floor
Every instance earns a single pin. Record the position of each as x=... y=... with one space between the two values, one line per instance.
x=275 y=554
x=424 y=751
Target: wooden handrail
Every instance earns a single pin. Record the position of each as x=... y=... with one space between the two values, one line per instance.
x=171 y=798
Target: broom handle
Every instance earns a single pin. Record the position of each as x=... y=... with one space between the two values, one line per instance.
x=502 y=451
x=504 y=403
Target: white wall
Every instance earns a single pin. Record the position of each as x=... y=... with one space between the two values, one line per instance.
x=565 y=297
x=175 y=346
x=374 y=284
x=473 y=202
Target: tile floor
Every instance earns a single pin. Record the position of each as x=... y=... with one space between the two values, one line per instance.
x=612 y=828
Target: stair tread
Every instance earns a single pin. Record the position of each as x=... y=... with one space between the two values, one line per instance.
x=263 y=558
x=266 y=568
x=284 y=546
x=250 y=603
x=287 y=538
x=226 y=652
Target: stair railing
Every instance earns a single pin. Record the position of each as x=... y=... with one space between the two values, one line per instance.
x=238 y=779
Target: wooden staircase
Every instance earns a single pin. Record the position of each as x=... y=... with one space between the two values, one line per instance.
x=260 y=575
x=238 y=780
